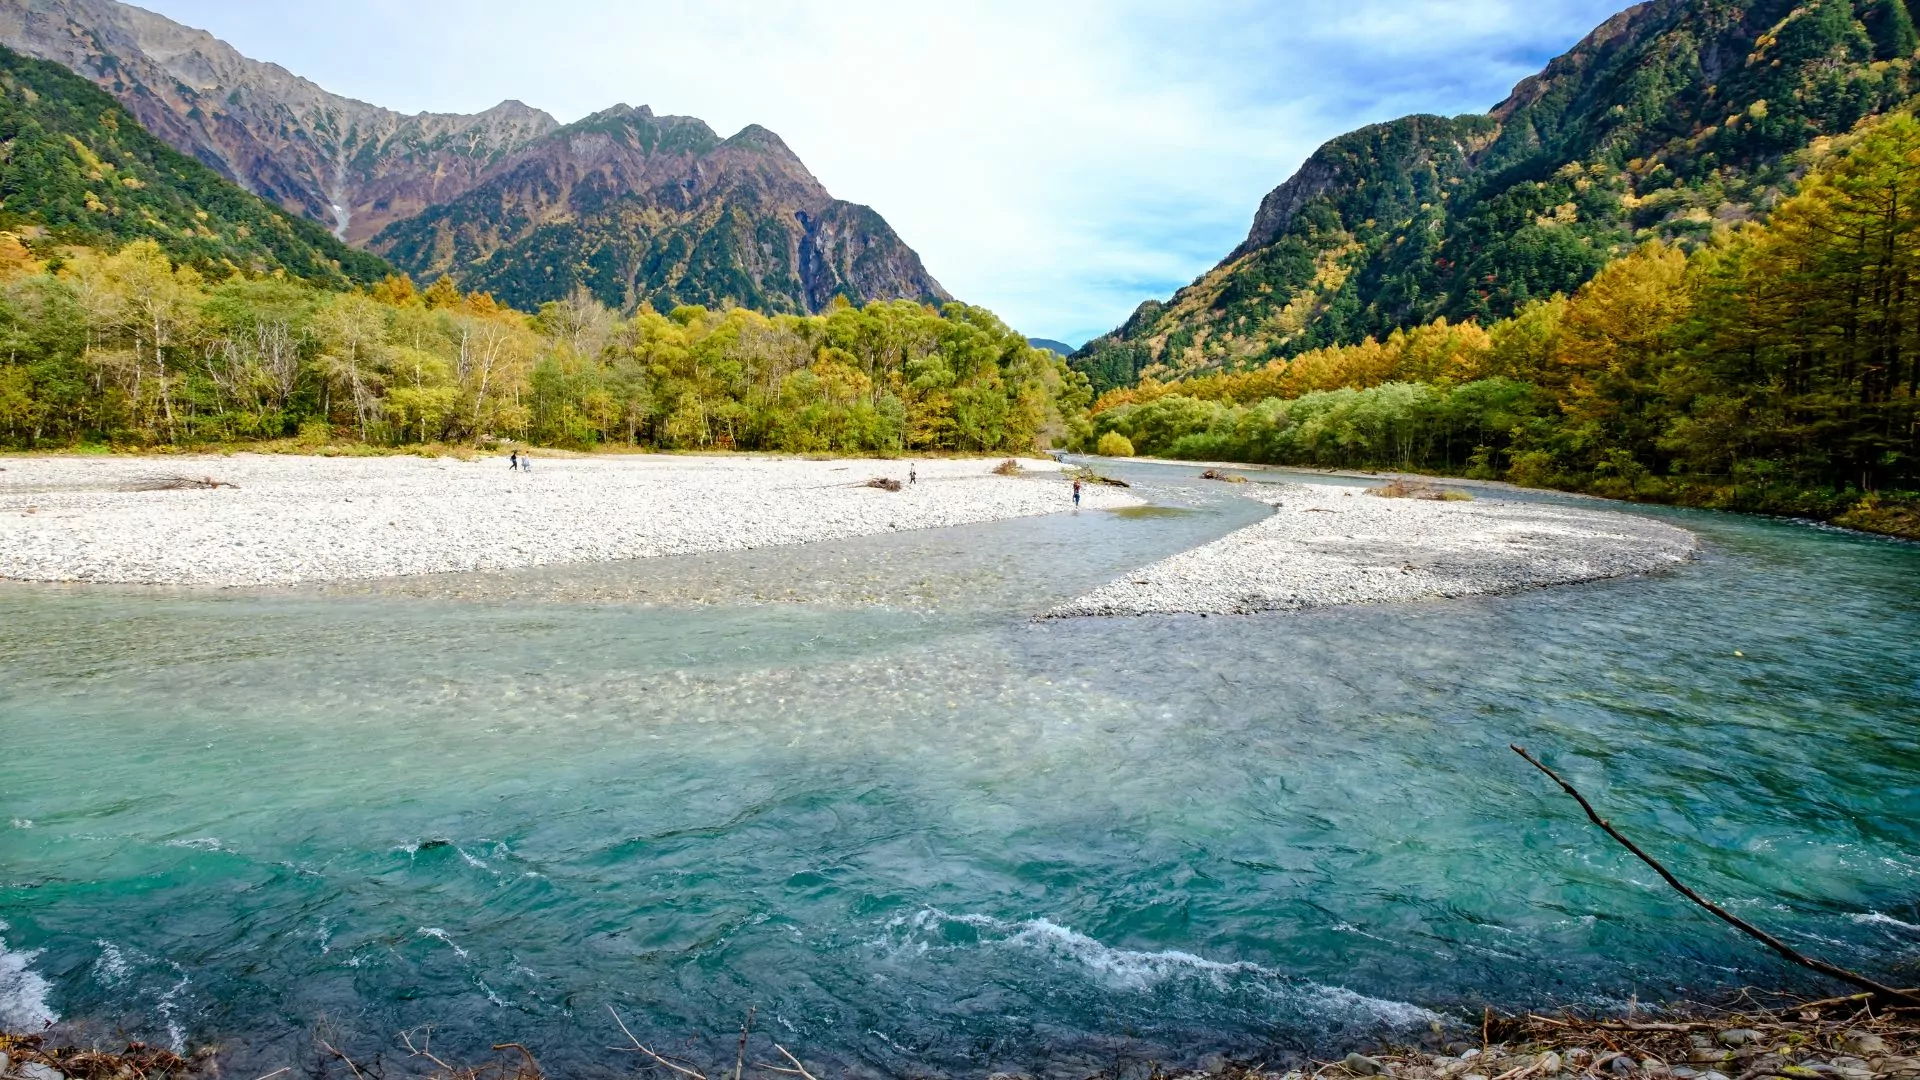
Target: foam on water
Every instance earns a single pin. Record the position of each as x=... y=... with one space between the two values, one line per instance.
x=1138 y=971
x=1874 y=918
x=23 y=991
x=444 y=938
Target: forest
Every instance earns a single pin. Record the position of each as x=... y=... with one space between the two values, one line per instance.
x=131 y=349
x=1694 y=116
x=1772 y=367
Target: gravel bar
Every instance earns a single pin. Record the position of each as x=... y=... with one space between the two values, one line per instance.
x=1328 y=546
x=312 y=519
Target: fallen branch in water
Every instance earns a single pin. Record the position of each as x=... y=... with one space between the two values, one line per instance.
x=637 y=1046
x=533 y=1067
x=329 y=1048
x=1910 y=997
x=797 y=1070
x=740 y=1058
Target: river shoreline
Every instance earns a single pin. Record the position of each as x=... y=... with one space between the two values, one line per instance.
x=1892 y=520
x=1834 y=1039
x=290 y=520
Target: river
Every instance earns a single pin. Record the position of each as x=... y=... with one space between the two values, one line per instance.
x=857 y=788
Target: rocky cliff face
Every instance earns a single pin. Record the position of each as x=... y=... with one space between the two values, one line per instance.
x=352 y=166
x=78 y=169
x=1672 y=118
x=639 y=208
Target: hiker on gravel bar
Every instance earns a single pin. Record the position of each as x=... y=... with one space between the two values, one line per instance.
x=913 y=474
x=1076 y=494
x=513 y=461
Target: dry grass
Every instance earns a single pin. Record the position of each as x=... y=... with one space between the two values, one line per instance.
x=884 y=483
x=137 y=1062
x=1009 y=467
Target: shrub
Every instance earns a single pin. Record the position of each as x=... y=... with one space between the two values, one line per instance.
x=1114 y=444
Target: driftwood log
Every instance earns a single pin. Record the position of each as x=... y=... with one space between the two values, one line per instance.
x=178 y=483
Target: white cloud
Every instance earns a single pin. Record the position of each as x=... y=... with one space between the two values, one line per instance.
x=1056 y=160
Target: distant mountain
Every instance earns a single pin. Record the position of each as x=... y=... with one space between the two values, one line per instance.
x=352 y=166
x=632 y=206
x=1060 y=347
x=1672 y=118
x=639 y=208
x=76 y=164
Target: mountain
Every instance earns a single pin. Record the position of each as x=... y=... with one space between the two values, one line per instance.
x=638 y=208
x=632 y=206
x=1060 y=347
x=352 y=166
x=1671 y=119
x=75 y=164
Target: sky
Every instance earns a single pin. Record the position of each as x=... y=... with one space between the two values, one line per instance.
x=1057 y=161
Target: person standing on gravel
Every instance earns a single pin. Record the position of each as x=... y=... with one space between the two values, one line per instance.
x=1076 y=494
x=513 y=461
x=913 y=473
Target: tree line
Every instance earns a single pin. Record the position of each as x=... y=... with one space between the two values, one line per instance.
x=1772 y=366
x=129 y=348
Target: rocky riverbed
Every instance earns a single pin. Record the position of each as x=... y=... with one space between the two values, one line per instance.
x=1759 y=1046
x=1326 y=546
x=288 y=520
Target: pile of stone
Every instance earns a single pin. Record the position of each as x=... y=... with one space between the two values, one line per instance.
x=1734 y=1053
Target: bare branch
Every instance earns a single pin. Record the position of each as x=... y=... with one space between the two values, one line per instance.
x=531 y=1064
x=797 y=1067
x=740 y=1060
x=329 y=1048
x=1911 y=997
x=637 y=1046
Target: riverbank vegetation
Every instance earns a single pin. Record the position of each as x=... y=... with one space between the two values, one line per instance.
x=134 y=350
x=1772 y=367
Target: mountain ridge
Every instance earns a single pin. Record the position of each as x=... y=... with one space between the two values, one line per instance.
x=469 y=196
x=640 y=208
x=1670 y=119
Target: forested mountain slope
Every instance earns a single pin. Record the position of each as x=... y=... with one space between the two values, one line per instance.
x=352 y=166
x=78 y=167
x=638 y=208
x=1672 y=118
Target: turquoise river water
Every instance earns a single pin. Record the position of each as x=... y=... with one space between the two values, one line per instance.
x=857 y=788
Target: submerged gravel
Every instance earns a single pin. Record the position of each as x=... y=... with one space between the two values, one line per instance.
x=1328 y=546
x=310 y=519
